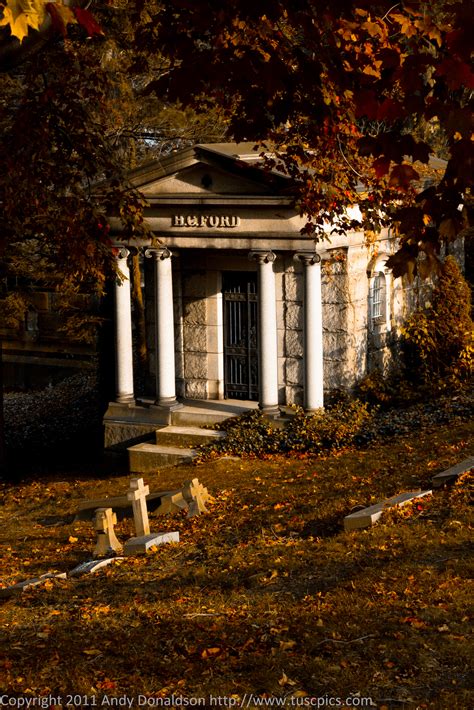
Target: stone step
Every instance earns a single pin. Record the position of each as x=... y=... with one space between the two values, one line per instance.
x=187 y=437
x=145 y=458
x=197 y=418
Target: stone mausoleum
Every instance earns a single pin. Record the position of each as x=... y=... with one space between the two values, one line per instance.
x=239 y=305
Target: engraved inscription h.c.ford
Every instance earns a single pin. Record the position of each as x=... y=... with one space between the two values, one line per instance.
x=204 y=220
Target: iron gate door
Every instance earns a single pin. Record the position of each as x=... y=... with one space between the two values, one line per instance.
x=240 y=335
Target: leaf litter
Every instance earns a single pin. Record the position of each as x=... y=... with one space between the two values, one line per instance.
x=265 y=594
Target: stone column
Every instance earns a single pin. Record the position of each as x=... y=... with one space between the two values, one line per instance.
x=313 y=332
x=164 y=329
x=267 y=333
x=123 y=331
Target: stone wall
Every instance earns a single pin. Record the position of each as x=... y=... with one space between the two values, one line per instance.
x=195 y=333
x=290 y=325
x=337 y=312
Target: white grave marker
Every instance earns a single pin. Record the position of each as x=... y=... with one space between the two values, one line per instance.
x=107 y=542
x=195 y=496
x=29 y=583
x=369 y=516
x=453 y=473
x=137 y=545
x=91 y=566
x=137 y=495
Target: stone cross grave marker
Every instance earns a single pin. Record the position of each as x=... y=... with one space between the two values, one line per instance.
x=195 y=495
x=137 y=495
x=107 y=542
x=192 y=497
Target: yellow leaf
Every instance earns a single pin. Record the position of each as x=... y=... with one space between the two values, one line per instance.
x=269 y=580
x=371 y=71
x=91 y=652
x=20 y=15
x=284 y=680
x=287 y=645
x=71 y=538
x=435 y=34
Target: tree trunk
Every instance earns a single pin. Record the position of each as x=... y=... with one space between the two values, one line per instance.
x=3 y=454
x=140 y=323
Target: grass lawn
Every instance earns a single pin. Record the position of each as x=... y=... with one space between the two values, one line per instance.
x=264 y=599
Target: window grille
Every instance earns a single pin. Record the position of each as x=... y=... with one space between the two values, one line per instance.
x=377 y=298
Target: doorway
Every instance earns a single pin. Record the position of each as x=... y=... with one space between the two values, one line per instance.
x=240 y=335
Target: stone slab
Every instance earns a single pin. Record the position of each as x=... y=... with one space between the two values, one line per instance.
x=145 y=458
x=140 y=545
x=451 y=474
x=187 y=437
x=91 y=566
x=369 y=516
x=29 y=583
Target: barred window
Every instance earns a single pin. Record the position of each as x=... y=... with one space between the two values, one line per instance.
x=378 y=297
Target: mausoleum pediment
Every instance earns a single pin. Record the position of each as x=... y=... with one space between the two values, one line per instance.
x=203 y=179
x=221 y=169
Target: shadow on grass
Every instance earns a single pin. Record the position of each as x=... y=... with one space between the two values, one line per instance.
x=323 y=527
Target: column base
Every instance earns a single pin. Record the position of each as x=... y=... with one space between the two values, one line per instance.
x=169 y=405
x=271 y=411
x=126 y=399
x=313 y=410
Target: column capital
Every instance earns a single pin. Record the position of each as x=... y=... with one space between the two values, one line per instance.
x=123 y=251
x=264 y=256
x=307 y=257
x=120 y=252
x=158 y=253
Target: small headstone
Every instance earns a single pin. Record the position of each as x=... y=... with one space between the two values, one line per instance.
x=91 y=566
x=451 y=474
x=107 y=542
x=195 y=495
x=369 y=516
x=29 y=583
x=137 y=495
x=192 y=497
x=138 y=545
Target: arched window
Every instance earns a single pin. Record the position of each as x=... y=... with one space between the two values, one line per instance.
x=379 y=313
x=378 y=298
